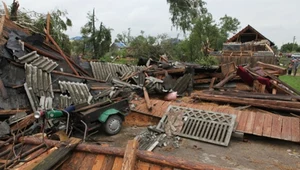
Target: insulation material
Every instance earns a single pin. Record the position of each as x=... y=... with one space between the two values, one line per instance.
x=79 y=92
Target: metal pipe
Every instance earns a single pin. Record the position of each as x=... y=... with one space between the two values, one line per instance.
x=85 y=130
x=68 y=118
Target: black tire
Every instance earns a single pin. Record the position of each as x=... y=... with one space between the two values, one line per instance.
x=113 y=125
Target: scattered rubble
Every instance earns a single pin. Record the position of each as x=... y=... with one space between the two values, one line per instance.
x=46 y=95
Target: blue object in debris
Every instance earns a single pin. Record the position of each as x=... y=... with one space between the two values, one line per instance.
x=70 y=108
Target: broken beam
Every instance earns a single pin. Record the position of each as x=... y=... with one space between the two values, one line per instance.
x=40 y=51
x=225 y=80
x=148 y=102
x=269 y=104
x=80 y=77
x=130 y=155
x=61 y=52
x=58 y=155
x=11 y=112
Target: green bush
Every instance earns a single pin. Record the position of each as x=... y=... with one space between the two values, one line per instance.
x=207 y=61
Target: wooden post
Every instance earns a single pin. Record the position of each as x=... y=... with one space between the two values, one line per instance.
x=212 y=84
x=225 y=80
x=61 y=52
x=130 y=155
x=2 y=24
x=6 y=10
x=148 y=102
x=274 y=90
x=48 y=27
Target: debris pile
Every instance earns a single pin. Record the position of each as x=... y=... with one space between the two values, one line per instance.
x=45 y=94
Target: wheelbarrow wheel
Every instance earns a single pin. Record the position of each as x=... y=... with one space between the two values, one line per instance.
x=113 y=125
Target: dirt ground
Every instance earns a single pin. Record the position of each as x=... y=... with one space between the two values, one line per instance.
x=252 y=152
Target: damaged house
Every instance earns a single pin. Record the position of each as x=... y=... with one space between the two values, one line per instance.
x=248 y=46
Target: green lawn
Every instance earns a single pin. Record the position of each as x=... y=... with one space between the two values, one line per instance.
x=292 y=81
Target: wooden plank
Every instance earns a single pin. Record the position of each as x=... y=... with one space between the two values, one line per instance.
x=147 y=99
x=142 y=166
x=58 y=155
x=88 y=161
x=2 y=24
x=11 y=112
x=108 y=163
x=276 y=126
x=28 y=120
x=242 y=122
x=48 y=27
x=130 y=155
x=286 y=133
x=31 y=164
x=98 y=162
x=6 y=10
x=164 y=108
x=212 y=83
x=118 y=163
x=258 y=124
x=267 y=125
x=238 y=115
x=155 y=167
x=73 y=162
x=295 y=129
x=250 y=122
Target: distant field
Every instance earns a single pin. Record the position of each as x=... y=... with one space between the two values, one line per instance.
x=292 y=81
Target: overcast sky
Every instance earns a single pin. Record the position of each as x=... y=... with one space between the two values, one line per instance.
x=278 y=20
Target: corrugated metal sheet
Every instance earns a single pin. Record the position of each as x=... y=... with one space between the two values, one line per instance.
x=40 y=62
x=39 y=87
x=208 y=126
x=102 y=70
x=79 y=92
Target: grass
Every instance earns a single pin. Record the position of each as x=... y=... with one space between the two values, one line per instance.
x=292 y=81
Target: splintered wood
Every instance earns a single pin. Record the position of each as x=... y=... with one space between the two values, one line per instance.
x=130 y=155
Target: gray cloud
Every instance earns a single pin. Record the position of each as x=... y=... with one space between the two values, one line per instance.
x=276 y=19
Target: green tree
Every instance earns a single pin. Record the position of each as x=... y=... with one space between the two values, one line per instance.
x=227 y=25
x=59 y=23
x=96 y=41
x=205 y=36
x=125 y=37
x=185 y=12
x=290 y=47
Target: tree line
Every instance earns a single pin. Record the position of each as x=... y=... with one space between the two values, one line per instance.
x=202 y=33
